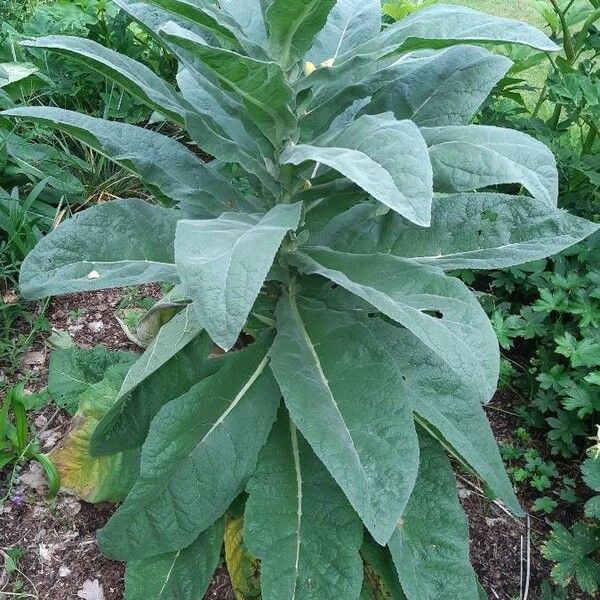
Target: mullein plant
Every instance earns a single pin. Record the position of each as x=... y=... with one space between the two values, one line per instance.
x=347 y=182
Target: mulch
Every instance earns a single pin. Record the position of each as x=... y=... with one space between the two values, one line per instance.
x=60 y=556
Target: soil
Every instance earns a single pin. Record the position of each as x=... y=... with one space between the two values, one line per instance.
x=61 y=561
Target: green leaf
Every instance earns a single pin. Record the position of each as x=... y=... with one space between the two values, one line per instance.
x=223 y=264
x=294 y=504
x=385 y=157
x=115 y=244
x=134 y=76
x=200 y=451
x=249 y=17
x=592 y=508
x=590 y=472
x=572 y=551
x=260 y=84
x=211 y=19
x=476 y=156
x=144 y=392
x=468 y=231
x=430 y=546
x=184 y=574
x=347 y=402
x=220 y=126
x=12 y=72
x=93 y=378
x=437 y=309
x=440 y=88
x=350 y=24
x=293 y=26
x=72 y=371
x=151 y=18
x=152 y=321
x=435 y=27
x=172 y=338
x=447 y=25
x=448 y=409
x=159 y=160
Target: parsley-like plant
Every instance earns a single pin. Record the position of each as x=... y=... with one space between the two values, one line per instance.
x=347 y=182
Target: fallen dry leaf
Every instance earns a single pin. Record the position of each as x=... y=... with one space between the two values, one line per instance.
x=34 y=358
x=34 y=477
x=10 y=297
x=91 y=590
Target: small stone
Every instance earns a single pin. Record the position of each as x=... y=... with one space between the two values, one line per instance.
x=93 y=275
x=96 y=326
x=45 y=553
x=91 y=590
x=40 y=421
x=64 y=571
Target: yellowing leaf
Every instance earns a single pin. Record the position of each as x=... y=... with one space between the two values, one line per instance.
x=102 y=479
x=242 y=566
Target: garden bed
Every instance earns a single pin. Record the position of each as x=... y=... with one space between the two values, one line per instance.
x=60 y=558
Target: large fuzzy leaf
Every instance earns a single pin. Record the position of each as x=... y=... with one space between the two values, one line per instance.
x=474 y=156
x=184 y=574
x=347 y=402
x=159 y=160
x=260 y=84
x=438 y=309
x=447 y=25
x=350 y=24
x=152 y=17
x=90 y=380
x=134 y=76
x=223 y=264
x=446 y=407
x=220 y=125
x=199 y=453
x=209 y=18
x=163 y=378
x=249 y=17
x=293 y=505
x=125 y=242
x=293 y=26
x=441 y=88
x=171 y=339
x=72 y=371
x=430 y=546
x=468 y=231
x=434 y=27
x=385 y=157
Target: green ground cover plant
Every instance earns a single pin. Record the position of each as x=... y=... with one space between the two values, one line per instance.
x=548 y=313
x=17 y=446
x=316 y=249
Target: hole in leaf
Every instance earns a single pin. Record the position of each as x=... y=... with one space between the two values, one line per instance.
x=436 y=314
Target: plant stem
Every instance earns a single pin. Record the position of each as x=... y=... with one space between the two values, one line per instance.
x=555 y=118
x=567 y=37
x=591 y=19
x=590 y=138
